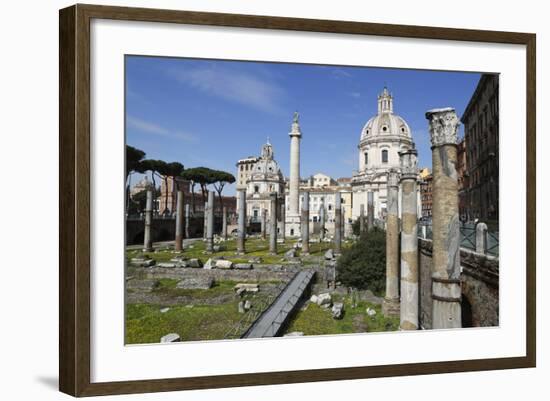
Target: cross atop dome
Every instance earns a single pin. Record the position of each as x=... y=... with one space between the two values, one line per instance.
x=385 y=101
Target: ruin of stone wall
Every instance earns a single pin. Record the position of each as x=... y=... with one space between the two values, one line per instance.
x=479 y=283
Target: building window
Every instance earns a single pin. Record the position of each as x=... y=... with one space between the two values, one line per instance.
x=366 y=158
x=256 y=189
x=384 y=156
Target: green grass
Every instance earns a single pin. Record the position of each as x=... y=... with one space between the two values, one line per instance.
x=316 y=320
x=146 y=324
x=254 y=247
x=167 y=286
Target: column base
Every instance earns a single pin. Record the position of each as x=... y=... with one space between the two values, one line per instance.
x=391 y=307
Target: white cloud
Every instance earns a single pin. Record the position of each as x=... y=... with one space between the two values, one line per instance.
x=338 y=73
x=236 y=86
x=155 y=129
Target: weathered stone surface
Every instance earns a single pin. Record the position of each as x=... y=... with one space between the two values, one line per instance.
x=210 y=264
x=170 y=338
x=219 y=248
x=247 y=287
x=369 y=296
x=147 y=285
x=167 y=264
x=329 y=255
x=194 y=263
x=324 y=299
x=294 y=334
x=142 y=262
x=243 y=266
x=371 y=312
x=290 y=254
x=224 y=264
x=241 y=307
x=313 y=299
x=198 y=283
x=247 y=305
x=164 y=310
x=338 y=310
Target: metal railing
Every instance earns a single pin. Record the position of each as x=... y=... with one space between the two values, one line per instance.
x=469 y=233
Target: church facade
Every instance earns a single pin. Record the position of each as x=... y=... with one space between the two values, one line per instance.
x=260 y=176
x=382 y=138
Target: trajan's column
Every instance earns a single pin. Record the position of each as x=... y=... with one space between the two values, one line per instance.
x=293 y=215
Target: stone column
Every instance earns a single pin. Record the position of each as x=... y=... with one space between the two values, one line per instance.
x=337 y=223
x=361 y=219
x=264 y=223
x=370 y=210
x=390 y=306
x=481 y=238
x=179 y=222
x=210 y=225
x=446 y=292
x=241 y=228
x=187 y=217
x=294 y=184
x=283 y=220
x=409 y=241
x=224 y=223
x=205 y=220
x=147 y=240
x=273 y=225
x=304 y=223
x=322 y=218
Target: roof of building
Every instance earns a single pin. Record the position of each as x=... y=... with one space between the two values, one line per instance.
x=385 y=122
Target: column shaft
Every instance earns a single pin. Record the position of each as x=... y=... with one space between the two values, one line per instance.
x=304 y=223
x=273 y=225
x=322 y=219
x=179 y=221
x=224 y=223
x=241 y=228
x=187 y=217
x=446 y=291
x=210 y=223
x=337 y=223
x=409 y=257
x=147 y=240
x=391 y=300
x=361 y=219
x=283 y=220
x=370 y=210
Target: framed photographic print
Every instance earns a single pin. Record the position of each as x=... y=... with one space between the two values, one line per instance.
x=250 y=200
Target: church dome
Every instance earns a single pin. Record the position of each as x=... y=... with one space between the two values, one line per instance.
x=385 y=123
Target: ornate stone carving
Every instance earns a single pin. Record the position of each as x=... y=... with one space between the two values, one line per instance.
x=408 y=162
x=443 y=126
x=393 y=178
x=295 y=130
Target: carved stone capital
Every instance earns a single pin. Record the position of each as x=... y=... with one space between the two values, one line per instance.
x=393 y=178
x=408 y=160
x=443 y=126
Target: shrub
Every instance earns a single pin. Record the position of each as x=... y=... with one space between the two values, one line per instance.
x=363 y=265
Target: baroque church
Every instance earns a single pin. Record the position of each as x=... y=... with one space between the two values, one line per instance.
x=260 y=176
x=382 y=138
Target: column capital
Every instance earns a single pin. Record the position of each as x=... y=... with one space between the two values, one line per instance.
x=443 y=126
x=408 y=161
x=393 y=178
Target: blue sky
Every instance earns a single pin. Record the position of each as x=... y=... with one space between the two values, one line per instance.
x=212 y=113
